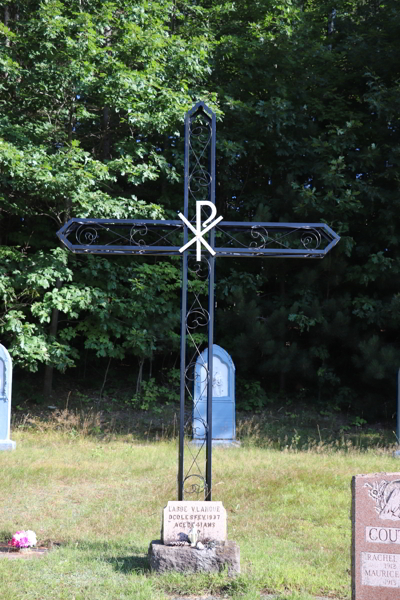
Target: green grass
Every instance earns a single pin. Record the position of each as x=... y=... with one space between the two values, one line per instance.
x=101 y=497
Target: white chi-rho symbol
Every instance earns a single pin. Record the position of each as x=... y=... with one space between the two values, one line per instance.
x=198 y=232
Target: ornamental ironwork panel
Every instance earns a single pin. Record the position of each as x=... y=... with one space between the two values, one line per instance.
x=165 y=238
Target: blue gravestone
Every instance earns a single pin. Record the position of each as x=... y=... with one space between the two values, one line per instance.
x=5 y=400
x=223 y=401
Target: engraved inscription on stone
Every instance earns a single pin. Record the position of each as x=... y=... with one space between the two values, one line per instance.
x=382 y=535
x=180 y=516
x=379 y=569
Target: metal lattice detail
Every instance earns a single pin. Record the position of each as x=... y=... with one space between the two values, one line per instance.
x=290 y=240
x=194 y=473
x=200 y=139
x=197 y=322
x=165 y=238
x=125 y=236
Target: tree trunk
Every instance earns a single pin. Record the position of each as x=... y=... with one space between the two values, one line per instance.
x=331 y=24
x=331 y=21
x=140 y=377
x=6 y=20
x=105 y=379
x=282 y=290
x=106 y=133
x=49 y=369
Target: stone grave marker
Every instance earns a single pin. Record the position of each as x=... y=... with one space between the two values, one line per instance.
x=210 y=552
x=223 y=398
x=376 y=536
x=5 y=400
x=181 y=516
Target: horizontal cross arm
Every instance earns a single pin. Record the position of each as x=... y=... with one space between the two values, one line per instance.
x=165 y=238
x=274 y=240
x=122 y=236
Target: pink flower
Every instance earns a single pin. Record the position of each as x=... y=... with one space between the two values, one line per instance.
x=23 y=539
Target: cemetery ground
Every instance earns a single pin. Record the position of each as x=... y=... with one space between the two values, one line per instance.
x=92 y=484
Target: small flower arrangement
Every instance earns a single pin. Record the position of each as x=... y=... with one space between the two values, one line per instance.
x=23 y=539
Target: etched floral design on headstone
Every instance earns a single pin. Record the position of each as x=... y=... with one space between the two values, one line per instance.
x=217 y=385
x=387 y=497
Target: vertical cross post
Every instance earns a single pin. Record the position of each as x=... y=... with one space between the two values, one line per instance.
x=199 y=184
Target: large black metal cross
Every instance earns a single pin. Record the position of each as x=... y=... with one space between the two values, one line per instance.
x=171 y=238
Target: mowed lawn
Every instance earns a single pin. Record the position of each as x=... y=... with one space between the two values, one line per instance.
x=102 y=501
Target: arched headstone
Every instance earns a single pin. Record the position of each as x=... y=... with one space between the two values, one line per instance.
x=224 y=404
x=5 y=399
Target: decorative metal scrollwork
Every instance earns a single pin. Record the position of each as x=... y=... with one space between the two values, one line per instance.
x=200 y=130
x=197 y=488
x=87 y=234
x=193 y=376
x=141 y=231
x=311 y=239
x=161 y=238
x=199 y=182
x=200 y=429
x=201 y=375
x=274 y=239
x=197 y=317
x=261 y=236
x=200 y=269
x=197 y=321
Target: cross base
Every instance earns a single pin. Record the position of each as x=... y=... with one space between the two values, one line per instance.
x=185 y=559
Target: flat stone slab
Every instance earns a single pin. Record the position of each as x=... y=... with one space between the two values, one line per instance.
x=180 y=515
x=185 y=559
x=11 y=553
x=376 y=536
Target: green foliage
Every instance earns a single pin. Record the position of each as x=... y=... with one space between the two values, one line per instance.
x=250 y=395
x=154 y=396
x=148 y=397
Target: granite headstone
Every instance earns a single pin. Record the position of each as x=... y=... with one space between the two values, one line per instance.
x=5 y=400
x=223 y=401
x=376 y=536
